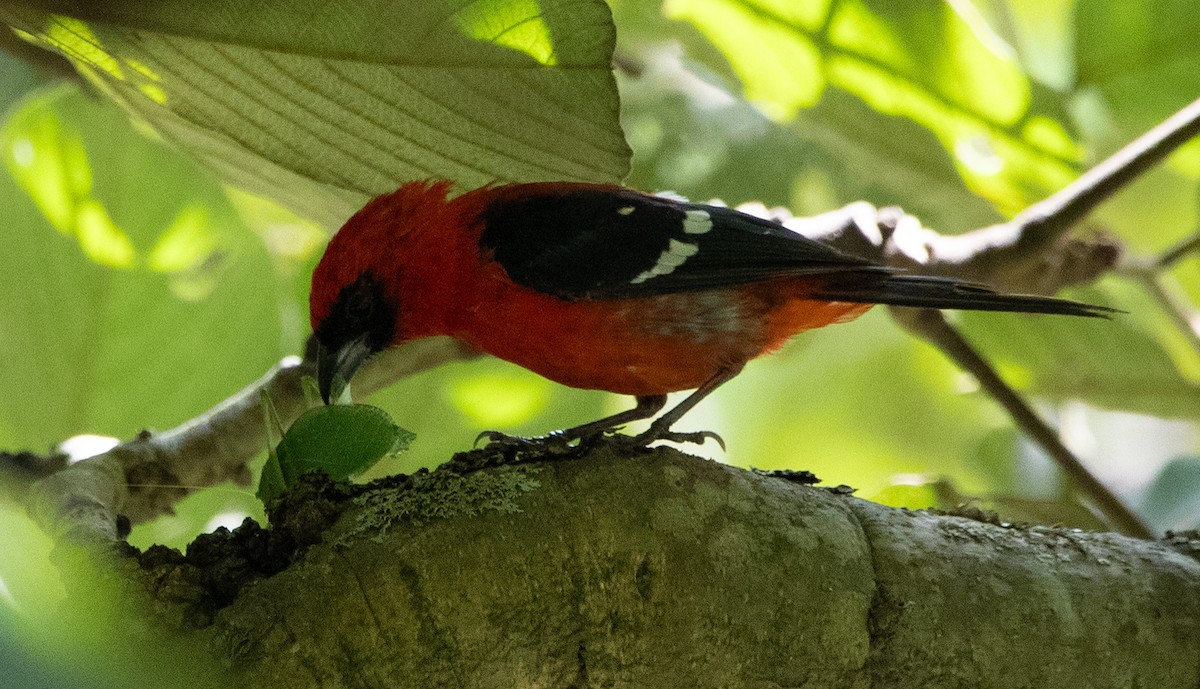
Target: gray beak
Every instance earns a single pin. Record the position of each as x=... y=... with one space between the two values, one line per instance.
x=335 y=367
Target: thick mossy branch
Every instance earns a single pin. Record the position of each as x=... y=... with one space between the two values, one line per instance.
x=663 y=570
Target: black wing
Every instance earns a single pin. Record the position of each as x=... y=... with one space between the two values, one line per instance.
x=614 y=243
x=609 y=244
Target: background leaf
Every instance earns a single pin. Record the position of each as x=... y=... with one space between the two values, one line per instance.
x=135 y=297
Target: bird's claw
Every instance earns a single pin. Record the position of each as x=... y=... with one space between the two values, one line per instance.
x=563 y=444
x=552 y=443
x=692 y=437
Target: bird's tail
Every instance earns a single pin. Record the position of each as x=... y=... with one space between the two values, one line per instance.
x=949 y=293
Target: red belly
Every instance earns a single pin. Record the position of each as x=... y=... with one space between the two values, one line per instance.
x=644 y=346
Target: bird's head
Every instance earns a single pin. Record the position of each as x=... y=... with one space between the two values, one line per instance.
x=353 y=317
x=354 y=305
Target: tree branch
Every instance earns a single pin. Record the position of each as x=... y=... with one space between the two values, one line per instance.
x=664 y=570
x=142 y=478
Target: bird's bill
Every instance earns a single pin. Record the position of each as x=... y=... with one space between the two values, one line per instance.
x=335 y=367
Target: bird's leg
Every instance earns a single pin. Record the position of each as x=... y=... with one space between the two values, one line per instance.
x=661 y=428
x=647 y=406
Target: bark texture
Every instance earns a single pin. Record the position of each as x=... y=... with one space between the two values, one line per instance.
x=663 y=570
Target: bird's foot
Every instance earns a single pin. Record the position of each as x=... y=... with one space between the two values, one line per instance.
x=554 y=444
x=643 y=440
x=501 y=448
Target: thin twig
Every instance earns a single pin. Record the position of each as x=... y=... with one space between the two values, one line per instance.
x=1047 y=219
x=1170 y=302
x=932 y=325
x=1178 y=252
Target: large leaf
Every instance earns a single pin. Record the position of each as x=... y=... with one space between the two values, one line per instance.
x=321 y=105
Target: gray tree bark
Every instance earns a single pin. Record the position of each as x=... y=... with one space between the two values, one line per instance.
x=663 y=570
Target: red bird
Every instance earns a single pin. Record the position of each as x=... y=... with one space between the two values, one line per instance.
x=599 y=287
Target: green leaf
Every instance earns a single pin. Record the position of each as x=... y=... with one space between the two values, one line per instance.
x=271 y=482
x=323 y=105
x=500 y=400
x=132 y=295
x=935 y=65
x=340 y=439
x=1144 y=57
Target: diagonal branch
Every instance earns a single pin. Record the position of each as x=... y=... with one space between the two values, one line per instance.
x=1030 y=253
x=1049 y=219
x=932 y=325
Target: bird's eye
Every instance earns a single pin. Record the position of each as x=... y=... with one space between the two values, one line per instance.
x=360 y=306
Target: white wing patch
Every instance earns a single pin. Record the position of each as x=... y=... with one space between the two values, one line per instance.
x=697 y=221
x=625 y=210
x=677 y=252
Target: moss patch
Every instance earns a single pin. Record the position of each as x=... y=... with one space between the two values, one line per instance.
x=440 y=494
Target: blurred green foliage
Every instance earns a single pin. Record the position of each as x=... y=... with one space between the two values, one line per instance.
x=137 y=291
x=183 y=291
x=960 y=113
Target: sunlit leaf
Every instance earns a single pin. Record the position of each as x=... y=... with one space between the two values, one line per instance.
x=1041 y=31
x=913 y=495
x=104 y=342
x=322 y=105
x=500 y=400
x=936 y=64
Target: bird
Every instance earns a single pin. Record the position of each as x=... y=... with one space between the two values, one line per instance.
x=602 y=287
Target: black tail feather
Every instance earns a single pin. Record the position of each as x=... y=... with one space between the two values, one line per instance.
x=949 y=293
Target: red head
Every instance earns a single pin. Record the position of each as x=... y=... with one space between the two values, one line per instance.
x=355 y=305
